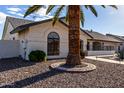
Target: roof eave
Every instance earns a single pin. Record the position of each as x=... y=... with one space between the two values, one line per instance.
x=17 y=30
x=106 y=40
x=86 y=33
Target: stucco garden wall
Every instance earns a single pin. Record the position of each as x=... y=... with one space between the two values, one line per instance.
x=9 y=48
x=98 y=53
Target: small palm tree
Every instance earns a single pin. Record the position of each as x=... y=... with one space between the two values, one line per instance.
x=74 y=15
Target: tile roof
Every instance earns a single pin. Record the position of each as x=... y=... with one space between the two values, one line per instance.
x=99 y=36
x=17 y=21
x=24 y=26
x=116 y=36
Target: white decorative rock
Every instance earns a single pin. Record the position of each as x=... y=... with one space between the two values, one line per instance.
x=58 y=66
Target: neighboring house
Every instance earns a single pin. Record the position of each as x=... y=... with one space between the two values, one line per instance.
x=53 y=40
x=101 y=44
x=120 y=38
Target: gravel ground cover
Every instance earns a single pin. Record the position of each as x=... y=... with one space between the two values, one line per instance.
x=19 y=73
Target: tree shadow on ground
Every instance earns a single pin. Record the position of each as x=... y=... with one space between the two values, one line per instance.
x=13 y=63
x=28 y=81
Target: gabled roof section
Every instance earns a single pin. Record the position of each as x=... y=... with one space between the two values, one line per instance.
x=15 y=22
x=25 y=26
x=102 y=37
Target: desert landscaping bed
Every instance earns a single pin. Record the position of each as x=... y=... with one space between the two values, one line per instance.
x=18 y=73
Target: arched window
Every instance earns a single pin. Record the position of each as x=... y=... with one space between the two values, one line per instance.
x=53 y=43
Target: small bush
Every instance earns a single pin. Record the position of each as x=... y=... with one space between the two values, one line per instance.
x=121 y=54
x=82 y=54
x=37 y=56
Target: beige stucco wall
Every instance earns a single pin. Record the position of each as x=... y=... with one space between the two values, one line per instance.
x=23 y=38
x=36 y=38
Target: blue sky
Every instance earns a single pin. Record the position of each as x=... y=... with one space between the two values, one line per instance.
x=109 y=20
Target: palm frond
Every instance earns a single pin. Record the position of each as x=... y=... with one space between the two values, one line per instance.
x=103 y=6
x=93 y=10
x=32 y=9
x=114 y=6
x=57 y=13
x=50 y=8
x=86 y=6
x=82 y=17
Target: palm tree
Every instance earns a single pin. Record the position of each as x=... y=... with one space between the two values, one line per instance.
x=74 y=15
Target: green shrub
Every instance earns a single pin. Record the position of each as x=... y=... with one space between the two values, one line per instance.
x=121 y=54
x=82 y=54
x=37 y=56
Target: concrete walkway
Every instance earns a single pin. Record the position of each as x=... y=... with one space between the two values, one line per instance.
x=104 y=60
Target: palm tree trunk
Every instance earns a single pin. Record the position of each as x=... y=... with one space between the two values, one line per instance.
x=73 y=57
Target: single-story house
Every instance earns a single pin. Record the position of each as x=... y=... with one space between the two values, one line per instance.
x=53 y=40
x=120 y=38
